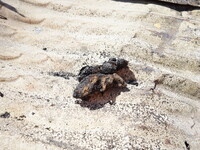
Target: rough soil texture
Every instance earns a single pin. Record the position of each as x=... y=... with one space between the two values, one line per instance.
x=42 y=39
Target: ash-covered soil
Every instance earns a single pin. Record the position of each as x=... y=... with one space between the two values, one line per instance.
x=45 y=43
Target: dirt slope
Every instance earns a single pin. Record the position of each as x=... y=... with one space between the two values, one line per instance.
x=39 y=37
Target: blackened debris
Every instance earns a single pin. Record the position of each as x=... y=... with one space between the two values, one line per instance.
x=22 y=116
x=104 y=54
x=87 y=70
x=19 y=119
x=187 y=145
x=48 y=128
x=99 y=100
x=127 y=75
x=52 y=105
x=1 y=94
x=62 y=74
x=160 y=80
x=113 y=73
x=97 y=83
x=44 y=49
x=109 y=67
x=133 y=82
x=5 y=115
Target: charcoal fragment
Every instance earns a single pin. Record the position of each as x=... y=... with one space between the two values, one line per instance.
x=1 y=94
x=5 y=115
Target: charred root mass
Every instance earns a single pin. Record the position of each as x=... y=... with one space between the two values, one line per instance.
x=109 y=67
x=96 y=83
x=95 y=80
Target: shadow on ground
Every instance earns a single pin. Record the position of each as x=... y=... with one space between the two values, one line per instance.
x=10 y=8
x=99 y=100
x=177 y=7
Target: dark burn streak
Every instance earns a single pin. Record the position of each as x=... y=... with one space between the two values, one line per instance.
x=62 y=74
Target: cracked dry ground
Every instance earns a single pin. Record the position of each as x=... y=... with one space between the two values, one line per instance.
x=64 y=36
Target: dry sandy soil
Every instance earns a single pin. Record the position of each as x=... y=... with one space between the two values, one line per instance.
x=39 y=37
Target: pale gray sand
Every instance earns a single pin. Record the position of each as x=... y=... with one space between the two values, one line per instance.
x=154 y=39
